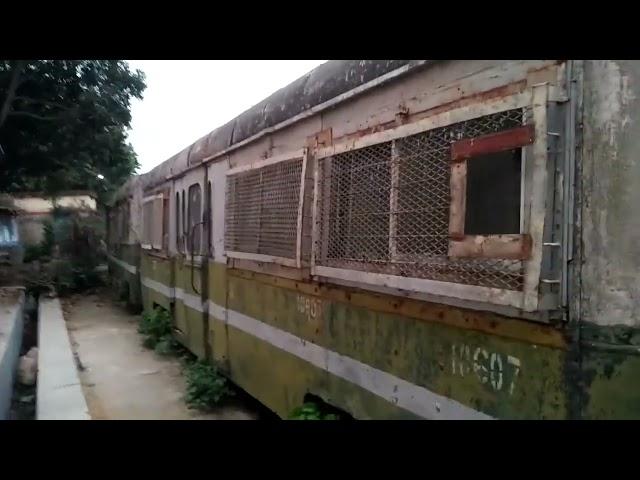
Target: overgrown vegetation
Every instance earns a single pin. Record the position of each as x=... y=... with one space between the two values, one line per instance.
x=44 y=249
x=206 y=386
x=156 y=328
x=312 y=411
x=68 y=255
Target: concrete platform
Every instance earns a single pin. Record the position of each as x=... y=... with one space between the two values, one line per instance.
x=11 y=324
x=60 y=395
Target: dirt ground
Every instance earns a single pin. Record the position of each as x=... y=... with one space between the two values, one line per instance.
x=120 y=378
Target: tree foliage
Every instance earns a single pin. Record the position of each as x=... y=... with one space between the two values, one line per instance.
x=63 y=124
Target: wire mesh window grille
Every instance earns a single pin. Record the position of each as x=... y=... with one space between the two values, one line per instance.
x=147 y=219
x=165 y=223
x=262 y=210
x=153 y=222
x=384 y=208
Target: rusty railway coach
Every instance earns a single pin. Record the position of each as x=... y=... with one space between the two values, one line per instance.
x=408 y=239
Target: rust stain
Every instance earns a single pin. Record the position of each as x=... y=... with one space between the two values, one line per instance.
x=485 y=322
x=323 y=138
x=543 y=74
x=403 y=114
x=503 y=91
x=494 y=142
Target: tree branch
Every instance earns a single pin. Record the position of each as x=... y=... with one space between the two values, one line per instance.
x=16 y=71
x=59 y=115
x=43 y=102
x=36 y=116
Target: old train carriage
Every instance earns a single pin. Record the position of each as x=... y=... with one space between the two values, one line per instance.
x=408 y=239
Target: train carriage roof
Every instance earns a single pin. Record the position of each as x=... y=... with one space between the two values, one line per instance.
x=322 y=84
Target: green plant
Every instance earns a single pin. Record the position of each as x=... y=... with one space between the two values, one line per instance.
x=167 y=345
x=311 y=411
x=45 y=247
x=68 y=254
x=85 y=276
x=206 y=387
x=156 y=323
x=72 y=276
x=149 y=342
x=156 y=327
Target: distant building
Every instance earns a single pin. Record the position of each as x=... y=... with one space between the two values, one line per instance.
x=35 y=208
x=9 y=238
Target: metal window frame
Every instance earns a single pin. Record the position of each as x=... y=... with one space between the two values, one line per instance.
x=534 y=97
x=209 y=217
x=297 y=262
x=190 y=223
x=177 y=219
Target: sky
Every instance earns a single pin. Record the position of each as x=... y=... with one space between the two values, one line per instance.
x=186 y=99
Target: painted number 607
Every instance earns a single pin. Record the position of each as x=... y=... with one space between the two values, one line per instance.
x=490 y=367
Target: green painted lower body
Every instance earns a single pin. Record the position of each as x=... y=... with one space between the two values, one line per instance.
x=499 y=376
x=126 y=284
x=175 y=276
x=280 y=381
x=609 y=372
x=191 y=323
x=159 y=270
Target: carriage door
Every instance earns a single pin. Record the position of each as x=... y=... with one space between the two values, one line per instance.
x=217 y=263
x=191 y=265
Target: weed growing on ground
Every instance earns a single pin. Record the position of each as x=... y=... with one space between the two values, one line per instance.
x=206 y=387
x=167 y=345
x=156 y=327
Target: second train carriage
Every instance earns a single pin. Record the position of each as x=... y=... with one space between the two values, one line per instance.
x=407 y=239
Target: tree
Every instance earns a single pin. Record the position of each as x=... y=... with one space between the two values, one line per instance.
x=63 y=124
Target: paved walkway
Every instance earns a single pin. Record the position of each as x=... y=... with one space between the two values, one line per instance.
x=121 y=379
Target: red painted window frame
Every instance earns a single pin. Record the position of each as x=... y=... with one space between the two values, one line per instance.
x=507 y=246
